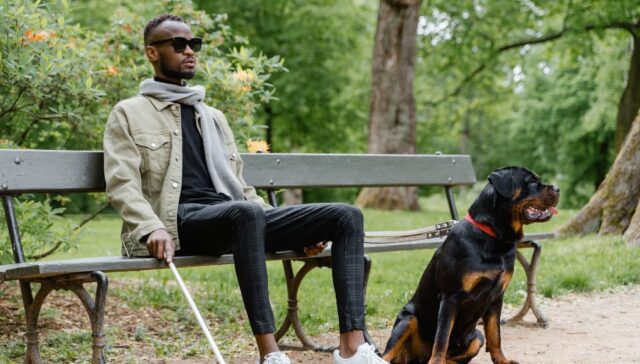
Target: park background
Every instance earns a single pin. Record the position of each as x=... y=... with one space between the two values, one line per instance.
x=551 y=85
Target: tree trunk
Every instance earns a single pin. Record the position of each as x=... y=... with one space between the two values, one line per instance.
x=612 y=207
x=392 y=118
x=292 y=197
x=632 y=235
x=630 y=100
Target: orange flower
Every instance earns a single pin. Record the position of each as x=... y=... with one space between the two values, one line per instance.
x=38 y=36
x=112 y=70
x=126 y=28
x=257 y=146
x=243 y=76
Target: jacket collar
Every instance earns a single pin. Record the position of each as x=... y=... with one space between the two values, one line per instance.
x=158 y=104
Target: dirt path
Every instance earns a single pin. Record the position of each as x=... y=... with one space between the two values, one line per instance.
x=595 y=328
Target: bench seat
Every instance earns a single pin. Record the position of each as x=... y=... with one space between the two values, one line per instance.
x=44 y=269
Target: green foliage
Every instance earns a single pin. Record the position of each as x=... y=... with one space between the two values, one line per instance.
x=327 y=45
x=46 y=83
x=574 y=124
x=59 y=78
x=550 y=105
x=235 y=76
x=41 y=228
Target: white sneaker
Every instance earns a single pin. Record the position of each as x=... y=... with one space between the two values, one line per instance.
x=366 y=354
x=277 y=357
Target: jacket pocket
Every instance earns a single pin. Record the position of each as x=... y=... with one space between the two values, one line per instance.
x=155 y=149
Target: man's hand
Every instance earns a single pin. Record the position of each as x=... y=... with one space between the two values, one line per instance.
x=160 y=245
x=315 y=249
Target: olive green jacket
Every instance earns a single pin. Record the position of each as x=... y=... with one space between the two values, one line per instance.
x=143 y=167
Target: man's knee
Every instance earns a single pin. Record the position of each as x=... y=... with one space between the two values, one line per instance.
x=349 y=216
x=247 y=211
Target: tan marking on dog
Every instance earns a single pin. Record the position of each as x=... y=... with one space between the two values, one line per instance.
x=472 y=350
x=492 y=333
x=517 y=193
x=498 y=357
x=419 y=348
x=516 y=217
x=470 y=280
x=409 y=346
x=506 y=279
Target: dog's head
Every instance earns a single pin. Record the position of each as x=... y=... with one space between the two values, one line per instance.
x=515 y=196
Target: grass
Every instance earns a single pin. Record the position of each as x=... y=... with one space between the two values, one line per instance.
x=575 y=264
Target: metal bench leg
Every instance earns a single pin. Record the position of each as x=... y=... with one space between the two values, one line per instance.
x=32 y=308
x=95 y=309
x=293 y=285
x=530 y=302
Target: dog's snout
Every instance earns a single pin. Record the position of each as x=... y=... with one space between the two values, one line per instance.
x=555 y=189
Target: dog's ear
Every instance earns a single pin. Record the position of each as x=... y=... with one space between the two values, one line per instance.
x=502 y=181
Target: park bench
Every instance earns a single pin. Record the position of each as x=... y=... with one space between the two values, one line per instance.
x=40 y=171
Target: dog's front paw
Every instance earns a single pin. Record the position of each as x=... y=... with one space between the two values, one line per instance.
x=500 y=359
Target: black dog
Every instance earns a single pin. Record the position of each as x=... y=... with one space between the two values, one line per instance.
x=468 y=275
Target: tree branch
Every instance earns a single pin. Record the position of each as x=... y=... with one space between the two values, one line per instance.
x=628 y=26
x=24 y=134
x=13 y=108
x=59 y=243
x=530 y=41
x=402 y=3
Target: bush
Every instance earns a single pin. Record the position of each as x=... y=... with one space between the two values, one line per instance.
x=42 y=229
x=234 y=75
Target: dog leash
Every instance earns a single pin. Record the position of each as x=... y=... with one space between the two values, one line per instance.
x=429 y=232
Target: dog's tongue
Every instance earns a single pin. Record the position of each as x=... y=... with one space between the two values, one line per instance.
x=553 y=210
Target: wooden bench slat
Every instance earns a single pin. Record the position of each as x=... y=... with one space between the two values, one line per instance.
x=362 y=170
x=24 y=171
x=121 y=264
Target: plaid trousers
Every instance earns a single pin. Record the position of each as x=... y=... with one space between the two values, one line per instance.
x=246 y=230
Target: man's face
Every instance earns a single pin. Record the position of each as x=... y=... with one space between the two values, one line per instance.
x=167 y=63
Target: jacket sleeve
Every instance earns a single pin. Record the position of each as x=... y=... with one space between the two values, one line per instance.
x=249 y=191
x=122 y=163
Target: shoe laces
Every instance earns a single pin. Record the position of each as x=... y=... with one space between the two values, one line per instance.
x=276 y=357
x=369 y=353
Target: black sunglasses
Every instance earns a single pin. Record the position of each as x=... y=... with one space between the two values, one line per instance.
x=179 y=44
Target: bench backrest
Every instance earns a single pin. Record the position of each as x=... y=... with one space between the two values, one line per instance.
x=28 y=171
x=25 y=171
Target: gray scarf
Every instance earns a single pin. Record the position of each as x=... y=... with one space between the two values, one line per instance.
x=215 y=151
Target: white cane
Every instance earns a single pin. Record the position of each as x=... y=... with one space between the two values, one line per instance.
x=203 y=325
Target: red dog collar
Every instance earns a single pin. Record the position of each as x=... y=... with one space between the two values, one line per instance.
x=486 y=228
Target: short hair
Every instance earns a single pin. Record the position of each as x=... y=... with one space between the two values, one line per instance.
x=155 y=22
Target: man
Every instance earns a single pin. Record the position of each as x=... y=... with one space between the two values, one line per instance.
x=174 y=174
